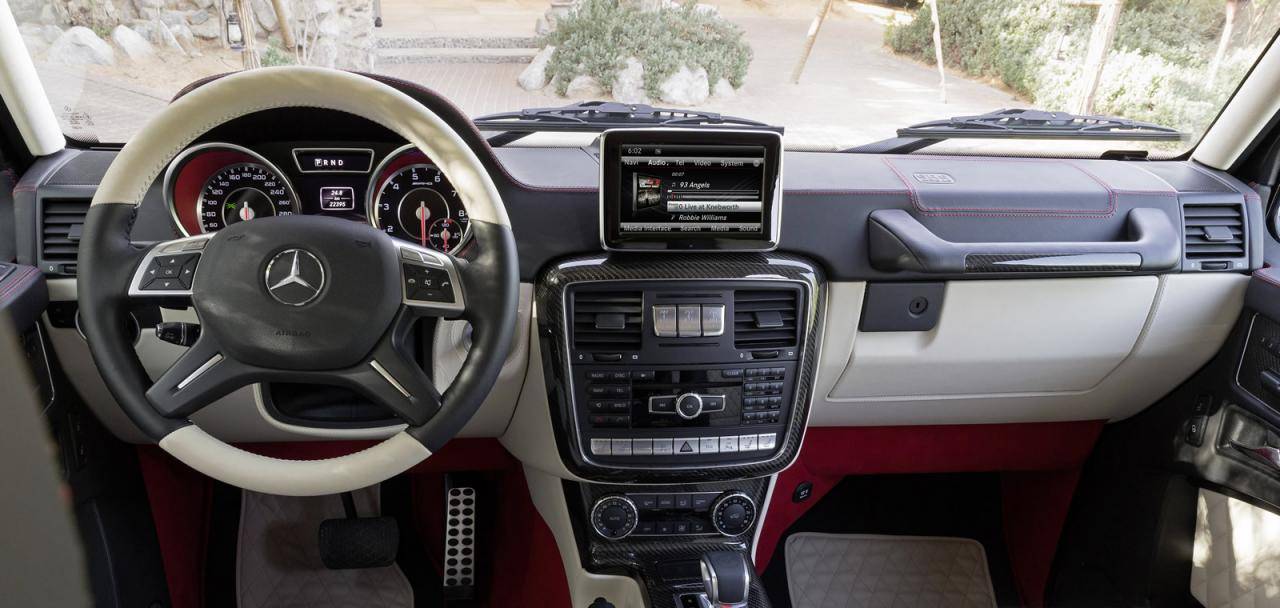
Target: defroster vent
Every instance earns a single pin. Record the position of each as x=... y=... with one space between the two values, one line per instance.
x=766 y=318
x=607 y=320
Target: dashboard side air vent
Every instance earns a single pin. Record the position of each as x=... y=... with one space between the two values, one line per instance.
x=607 y=320
x=766 y=318
x=1213 y=232
x=61 y=222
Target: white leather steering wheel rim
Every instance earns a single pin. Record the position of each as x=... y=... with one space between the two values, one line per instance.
x=154 y=147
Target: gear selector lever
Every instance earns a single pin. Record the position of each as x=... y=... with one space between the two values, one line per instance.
x=726 y=575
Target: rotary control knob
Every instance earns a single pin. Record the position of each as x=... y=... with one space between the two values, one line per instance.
x=614 y=517
x=733 y=513
x=689 y=405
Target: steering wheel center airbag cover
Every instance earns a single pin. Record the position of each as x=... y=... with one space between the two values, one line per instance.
x=298 y=292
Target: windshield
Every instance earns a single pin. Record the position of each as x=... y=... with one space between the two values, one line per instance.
x=835 y=73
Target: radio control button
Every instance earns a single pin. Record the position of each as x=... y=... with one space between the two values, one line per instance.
x=621 y=447
x=662 y=447
x=689 y=324
x=686 y=446
x=662 y=404
x=664 y=321
x=727 y=444
x=601 y=447
x=731 y=373
x=767 y=441
x=644 y=376
x=713 y=403
x=712 y=320
x=689 y=405
x=709 y=445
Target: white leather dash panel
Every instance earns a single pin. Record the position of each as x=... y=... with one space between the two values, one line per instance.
x=278 y=557
x=1236 y=560
x=825 y=570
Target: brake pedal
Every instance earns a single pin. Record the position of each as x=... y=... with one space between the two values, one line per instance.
x=358 y=542
x=460 y=517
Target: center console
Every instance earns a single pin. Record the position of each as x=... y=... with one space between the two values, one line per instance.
x=680 y=362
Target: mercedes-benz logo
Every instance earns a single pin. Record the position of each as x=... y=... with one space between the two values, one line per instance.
x=294 y=277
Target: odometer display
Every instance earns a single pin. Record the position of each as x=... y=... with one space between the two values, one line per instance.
x=242 y=192
x=417 y=203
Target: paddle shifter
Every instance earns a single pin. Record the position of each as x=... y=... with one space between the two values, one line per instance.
x=727 y=578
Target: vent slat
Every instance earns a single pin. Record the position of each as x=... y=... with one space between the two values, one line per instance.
x=1198 y=218
x=746 y=332
x=588 y=304
x=58 y=218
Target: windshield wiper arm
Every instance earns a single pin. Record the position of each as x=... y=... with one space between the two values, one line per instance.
x=1022 y=124
x=596 y=116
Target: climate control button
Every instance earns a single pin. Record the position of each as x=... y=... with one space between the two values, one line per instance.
x=614 y=517
x=733 y=513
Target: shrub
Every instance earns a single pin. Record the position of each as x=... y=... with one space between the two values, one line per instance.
x=1157 y=70
x=597 y=37
x=275 y=55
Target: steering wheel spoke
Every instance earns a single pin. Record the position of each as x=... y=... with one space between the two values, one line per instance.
x=430 y=281
x=201 y=375
x=169 y=269
x=394 y=379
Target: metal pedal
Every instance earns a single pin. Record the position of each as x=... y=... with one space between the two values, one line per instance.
x=460 y=516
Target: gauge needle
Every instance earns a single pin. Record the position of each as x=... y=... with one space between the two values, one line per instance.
x=444 y=234
x=422 y=223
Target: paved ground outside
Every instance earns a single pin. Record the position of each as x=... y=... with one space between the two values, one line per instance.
x=853 y=90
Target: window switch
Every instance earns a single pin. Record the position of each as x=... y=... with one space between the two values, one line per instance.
x=1195 y=430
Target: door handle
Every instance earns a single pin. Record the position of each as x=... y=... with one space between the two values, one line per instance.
x=1264 y=454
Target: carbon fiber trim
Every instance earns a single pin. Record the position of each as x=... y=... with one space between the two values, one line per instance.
x=1009 y=263
x=765 y=267
x=641 y=557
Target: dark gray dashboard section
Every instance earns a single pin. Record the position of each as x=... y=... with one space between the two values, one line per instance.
x=1013 y=205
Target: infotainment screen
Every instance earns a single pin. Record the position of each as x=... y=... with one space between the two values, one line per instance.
x=687 y=189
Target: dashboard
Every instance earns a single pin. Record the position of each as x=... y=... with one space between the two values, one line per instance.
x=396 y=189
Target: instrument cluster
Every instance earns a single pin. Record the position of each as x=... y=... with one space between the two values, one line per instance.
x=398 y=190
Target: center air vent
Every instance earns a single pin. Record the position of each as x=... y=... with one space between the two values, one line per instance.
x=765 y=318
x=607 y=320
x=61 y=224
x=1214 y=231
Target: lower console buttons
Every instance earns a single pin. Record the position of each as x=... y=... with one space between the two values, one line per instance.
x=733 y=513
x=614 y=517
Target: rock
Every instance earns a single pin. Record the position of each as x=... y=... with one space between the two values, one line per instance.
x=186 y=41
x=265 y=11
x=48 y=15
x=203 y=4
x=173 y=17
x=163 y=37
x=628 y=86
x=685 y=87
x=50 y=33
x=211 y=29
x=534 y=76
x=135 y=47
x=147 y=8
x=723 y=90
x=543 y=26
x=78 y=46
x=710 y=10
x=324 y=54
x=331 y=26
x=26 y=10
x=197 y=17
x=33 y=38
x=584 y=87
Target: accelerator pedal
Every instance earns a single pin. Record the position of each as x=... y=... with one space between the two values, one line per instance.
x=460 y=517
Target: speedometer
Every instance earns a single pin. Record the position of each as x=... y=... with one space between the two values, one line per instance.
x=242 y=192
x=416 y=203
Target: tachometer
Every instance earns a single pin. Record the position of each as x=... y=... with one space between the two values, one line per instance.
x=416 y=203
x=242 y=192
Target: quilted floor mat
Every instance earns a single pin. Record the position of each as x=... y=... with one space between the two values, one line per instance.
x=855 y=570
x=278 y=557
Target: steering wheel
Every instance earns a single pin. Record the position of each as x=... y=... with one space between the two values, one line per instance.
x=303 y=299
